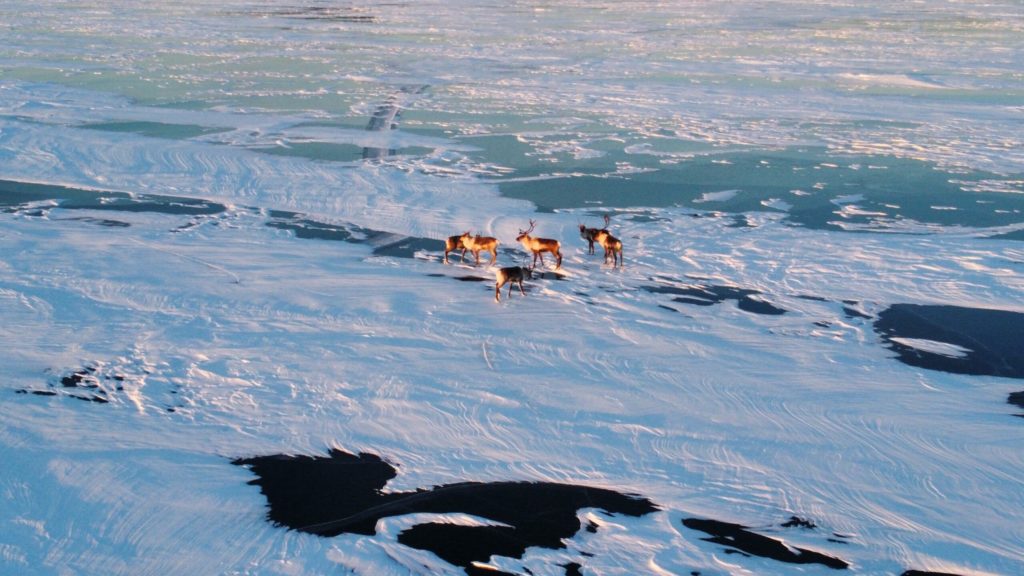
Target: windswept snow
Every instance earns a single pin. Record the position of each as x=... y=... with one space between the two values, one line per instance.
x=221 y=231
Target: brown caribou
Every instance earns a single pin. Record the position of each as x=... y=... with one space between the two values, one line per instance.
x=510 y=275
x=612 y=248
x=454 y=243
x=540 y=245
x=592 y=235
x=477 y=244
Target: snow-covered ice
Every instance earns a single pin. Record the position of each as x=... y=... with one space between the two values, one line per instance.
x=221 y=231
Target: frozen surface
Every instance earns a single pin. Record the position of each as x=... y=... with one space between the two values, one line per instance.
x=221 y=229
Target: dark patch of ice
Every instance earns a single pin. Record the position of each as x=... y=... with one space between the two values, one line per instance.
x=741 y=221
x=573 y=569
x=311 y=229
x=812 y=298
x=326 y=13
x=344 y=493
x=756 y=176
x=156 y=129
x=796 y=521
x=384 y=243
x=345 y=14
x=80 y=379
x=646 y=218
x=464 y=545
x=16 y=194
x=758 y=306
x=739 y=539
x=91 y=398
x=327 y=151
x=854 y=313
x=98 y=383
x=405 y=246
x=1017 y=399
x=83 y=384
x=992 y=338
x=709 y=295
x=1014 y=235
x=146 y=203
x=100 y=221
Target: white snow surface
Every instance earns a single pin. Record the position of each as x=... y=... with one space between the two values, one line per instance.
x=264 y=343
x=281 y=345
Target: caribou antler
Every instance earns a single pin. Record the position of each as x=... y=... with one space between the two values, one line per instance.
x=532 y=226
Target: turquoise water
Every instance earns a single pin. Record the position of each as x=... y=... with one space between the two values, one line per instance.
x=909 y=113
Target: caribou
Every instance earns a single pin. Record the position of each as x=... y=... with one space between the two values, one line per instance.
x=510 y=275
x=592 y=235
x=454 y=243
x=477 y=244
x=538 y=246
x=612 y=248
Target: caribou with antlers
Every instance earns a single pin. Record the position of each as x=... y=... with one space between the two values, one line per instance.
x=540 y=245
